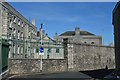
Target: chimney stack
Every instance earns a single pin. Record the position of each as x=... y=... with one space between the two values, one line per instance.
x=33 y=22
x=56 y=34
x=77 y=31
x=41 y=26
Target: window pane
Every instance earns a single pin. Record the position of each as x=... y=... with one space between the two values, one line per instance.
x=49 y=50
x=57 y=50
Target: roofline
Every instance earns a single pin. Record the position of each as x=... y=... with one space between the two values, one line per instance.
x=116 y=6
x=92 y=36
x=114 y=10
x=50 y=38
x=81 y=31
x=7 y=5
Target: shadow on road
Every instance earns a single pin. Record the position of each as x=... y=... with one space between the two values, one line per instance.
x=100 y=73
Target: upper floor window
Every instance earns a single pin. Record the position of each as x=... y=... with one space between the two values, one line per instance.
x=18 y=34
x=10 y=36
x=18 y=21
x=10 y=24
x=29 y=37
x=18 y=49
x=26 y=25
x=14 y=33
x=22 y=24
x=22 y=35
x=14 y=19
x=4 y=8
x=92 y=42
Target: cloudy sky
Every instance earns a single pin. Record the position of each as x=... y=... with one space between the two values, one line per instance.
x=95 y=17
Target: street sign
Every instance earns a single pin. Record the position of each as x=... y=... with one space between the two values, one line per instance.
x=41 y=51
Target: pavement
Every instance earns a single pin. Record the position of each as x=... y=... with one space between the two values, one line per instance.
x=84 y=75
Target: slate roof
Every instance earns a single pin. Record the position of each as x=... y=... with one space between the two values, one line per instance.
x=72 y=33
x=47 y=36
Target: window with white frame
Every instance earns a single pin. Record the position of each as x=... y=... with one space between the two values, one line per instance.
x=10 y=24
x=92 y=42
x=26 y=25
x=22 y=49
x=49 y=50
x=14 y=33
x=3 y=8
x=34 y=50
x=14 y=19
x=10 y=36
x=57 y=50
x=18 y=34
x=14 y=48
x=22 y=24
x=18 y=21
x=22 y=35
x=18 y=51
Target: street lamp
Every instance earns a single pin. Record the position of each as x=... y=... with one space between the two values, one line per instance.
x=41 y=50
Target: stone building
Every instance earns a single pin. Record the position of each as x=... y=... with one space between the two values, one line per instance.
x=79 y=36
x=52 y=48
x=116 y=24
x=18 y=30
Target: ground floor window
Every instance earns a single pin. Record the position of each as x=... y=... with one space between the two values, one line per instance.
x=57 y=50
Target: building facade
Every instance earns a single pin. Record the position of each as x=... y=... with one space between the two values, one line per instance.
x=52 y=48
x=116 y=24
x=79 y=36
x=23 y=37
x=18 y=31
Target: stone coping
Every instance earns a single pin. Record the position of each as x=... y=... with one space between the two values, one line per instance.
x=33 y=59
x=91 y=45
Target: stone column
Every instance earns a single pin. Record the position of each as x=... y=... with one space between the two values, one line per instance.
x=70 y=56
x=68 y=53
x=65 y=42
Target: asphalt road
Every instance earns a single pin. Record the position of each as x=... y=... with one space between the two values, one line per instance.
x=54 y=75
x=93 y=74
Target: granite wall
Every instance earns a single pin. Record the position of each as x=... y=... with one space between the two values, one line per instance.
x=77 y=57
x=90 y=57
x=20 y=66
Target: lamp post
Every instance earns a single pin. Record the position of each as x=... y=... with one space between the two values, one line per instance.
x=41 y=49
